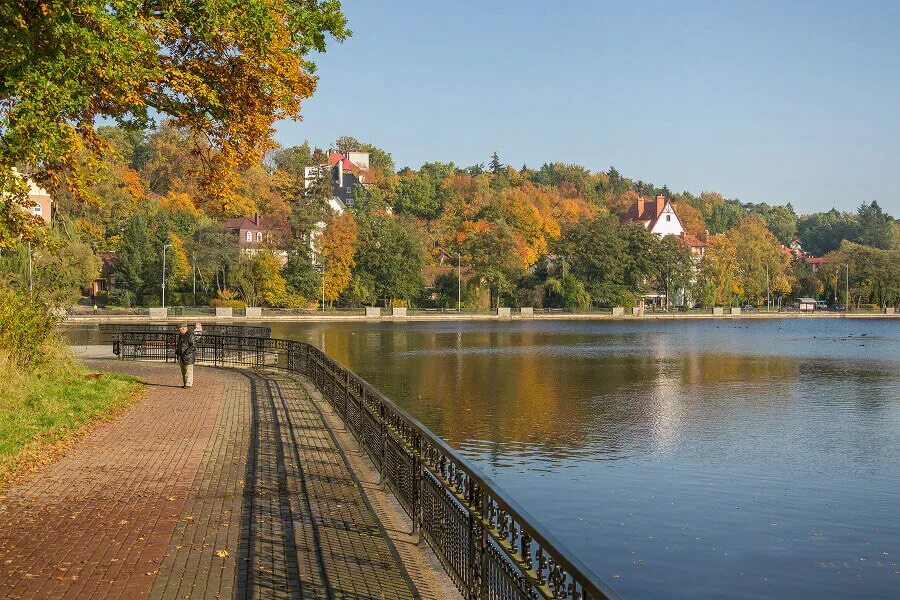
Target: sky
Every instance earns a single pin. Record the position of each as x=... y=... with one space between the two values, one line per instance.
x=763 y=101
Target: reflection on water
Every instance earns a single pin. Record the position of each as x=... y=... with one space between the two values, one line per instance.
x=739 y=459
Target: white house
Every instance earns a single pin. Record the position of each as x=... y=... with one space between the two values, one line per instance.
x=657 y=215
x=348 y=173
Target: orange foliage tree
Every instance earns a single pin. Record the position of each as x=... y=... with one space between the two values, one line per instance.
x=338 y=248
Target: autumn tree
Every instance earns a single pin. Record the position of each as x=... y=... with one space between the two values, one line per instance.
x=691 y=218
x=338 y=248
x=226 y=73
x=762 y=265
x=718 y=279
x=259 y=280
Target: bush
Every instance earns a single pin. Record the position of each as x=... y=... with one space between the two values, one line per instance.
x=26 y=327
x=123 y=298
x=223 y=303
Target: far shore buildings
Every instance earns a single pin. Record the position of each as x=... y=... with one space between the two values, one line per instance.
x=348 y=175
x=255 y=234
x=660 y=216
x=348 y=178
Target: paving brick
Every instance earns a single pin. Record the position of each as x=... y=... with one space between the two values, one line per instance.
x=235 y=489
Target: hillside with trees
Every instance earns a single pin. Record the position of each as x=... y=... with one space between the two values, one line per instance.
x=552 y=236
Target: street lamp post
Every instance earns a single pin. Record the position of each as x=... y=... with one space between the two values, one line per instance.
x=846 y=287
x=165 y=247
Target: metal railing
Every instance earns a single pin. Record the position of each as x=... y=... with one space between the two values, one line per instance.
x=108 y=331
x=490 y=547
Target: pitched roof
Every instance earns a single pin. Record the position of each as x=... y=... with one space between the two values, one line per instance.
x=647 y=212
x=336 y=157
x=257 y=222
x=693 y=241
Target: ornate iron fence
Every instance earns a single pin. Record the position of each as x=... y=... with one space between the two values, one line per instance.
x=108 y=331
x=491 y=548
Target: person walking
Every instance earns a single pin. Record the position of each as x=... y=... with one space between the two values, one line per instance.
x=185 y=354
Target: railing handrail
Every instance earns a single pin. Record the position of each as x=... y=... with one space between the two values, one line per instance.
x=592 y=585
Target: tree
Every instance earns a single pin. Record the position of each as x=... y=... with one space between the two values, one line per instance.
x=875 y=226
x=640 y=259
x=691 y=218
x=762 y=265
x=495 y=165
x=60 y=268
x=215 y=256
x=821 y=233
x=725 y=216
x=388 y=259
x=134 y=261
x=707 y=202
x=338 y=247
x=259 y=279
x=230 y=74
x=718 y=280
x=570 y=291
x=780 y=220
x=596 y=254
x=491 y=252
x=293 y=160
x=675 y=267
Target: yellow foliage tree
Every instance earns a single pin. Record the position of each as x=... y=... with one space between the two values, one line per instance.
x=759 y=254
x=690 y=217
x=338 y=247
x=718 y=279
x=178 y=267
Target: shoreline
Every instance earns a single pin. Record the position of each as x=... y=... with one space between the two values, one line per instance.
x=125 y=319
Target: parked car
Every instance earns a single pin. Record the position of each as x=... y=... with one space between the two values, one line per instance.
x=748 y=308
x=820 y=305
x=838 y=307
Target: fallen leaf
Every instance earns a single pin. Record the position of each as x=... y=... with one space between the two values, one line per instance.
x=221 y=553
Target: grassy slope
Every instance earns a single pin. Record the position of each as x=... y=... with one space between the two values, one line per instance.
x=44 y=409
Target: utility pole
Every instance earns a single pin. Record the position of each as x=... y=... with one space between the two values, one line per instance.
x=323 y=285
x=30 y=272
x=458 y=283
x=165 y=246
x=768 y=302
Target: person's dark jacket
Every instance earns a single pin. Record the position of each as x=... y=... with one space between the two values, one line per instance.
x=186 y=348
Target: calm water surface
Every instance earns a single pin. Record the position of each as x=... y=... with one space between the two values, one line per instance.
x=714 y=459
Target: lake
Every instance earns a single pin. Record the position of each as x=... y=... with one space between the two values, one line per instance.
x=678 y=459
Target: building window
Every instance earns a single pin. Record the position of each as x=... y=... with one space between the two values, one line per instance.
x=249 y=236
x=38 y=209
x=259 y=236
x=668 y=217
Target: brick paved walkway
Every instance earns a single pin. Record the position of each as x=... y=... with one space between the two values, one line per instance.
x=236 y=489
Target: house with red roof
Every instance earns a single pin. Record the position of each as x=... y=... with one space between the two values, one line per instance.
x=657 y=215
x=348 y=175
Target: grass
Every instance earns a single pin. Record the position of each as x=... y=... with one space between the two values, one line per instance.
x=49 y=405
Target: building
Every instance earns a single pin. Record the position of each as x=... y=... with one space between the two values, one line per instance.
x=660 y=216
x=43 y=203
x=657 y=215
x=696 y=244
x=815 y=262
x=348 y=175
x=807 y=304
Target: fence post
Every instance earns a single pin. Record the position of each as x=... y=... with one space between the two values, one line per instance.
x=418 y=480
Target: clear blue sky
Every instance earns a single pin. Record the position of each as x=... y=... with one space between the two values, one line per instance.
x=765 y=101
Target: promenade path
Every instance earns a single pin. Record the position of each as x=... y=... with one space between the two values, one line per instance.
x=244 y=487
